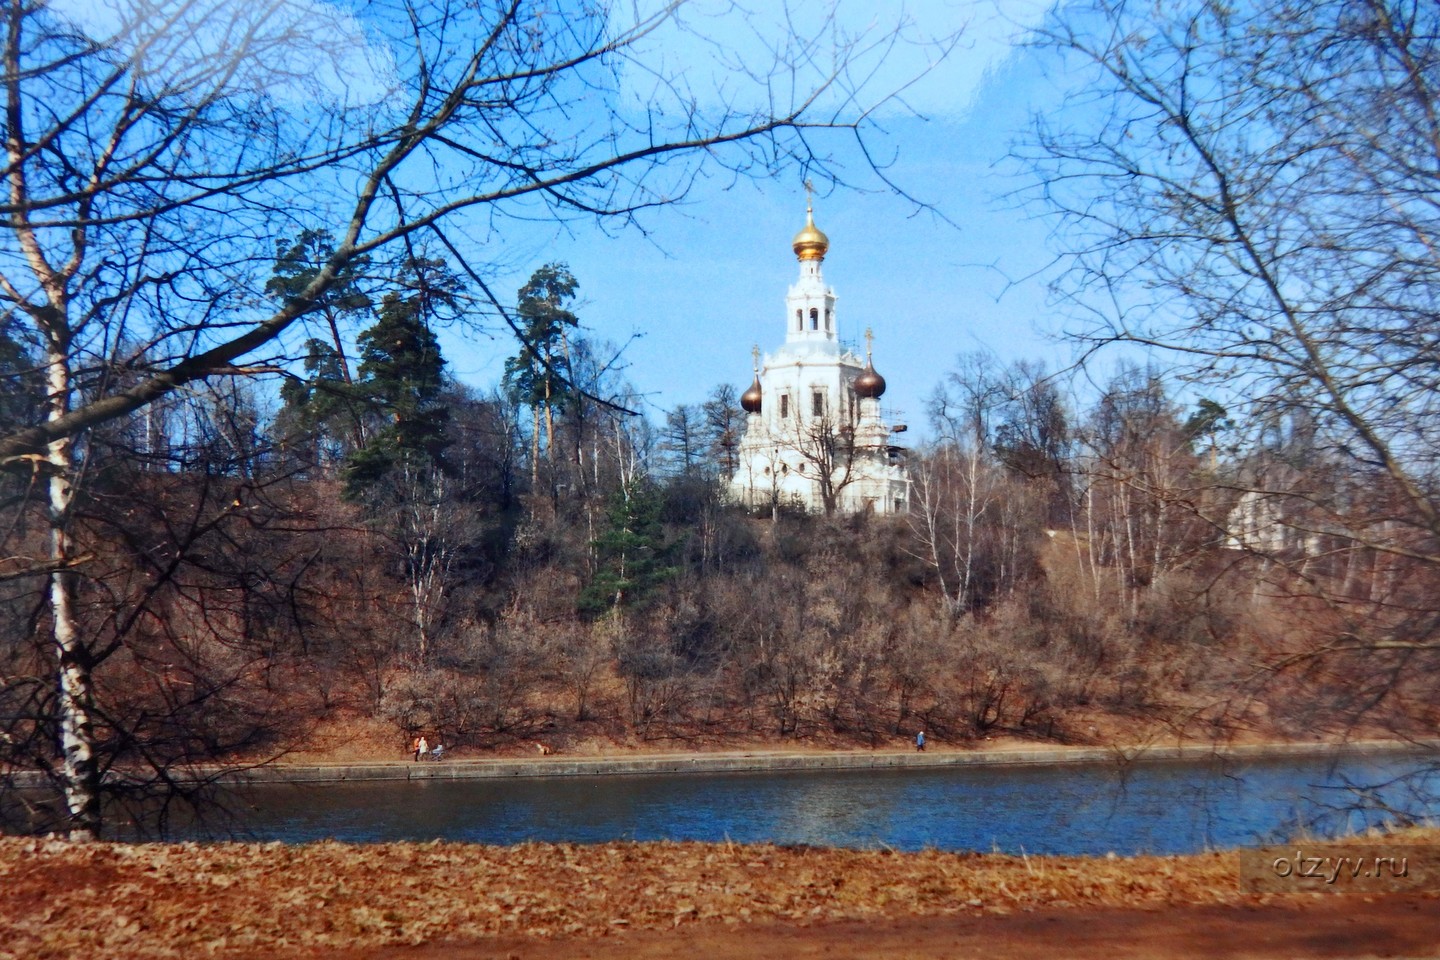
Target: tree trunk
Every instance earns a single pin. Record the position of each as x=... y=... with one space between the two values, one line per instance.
x=535 y=451
x=80 y=777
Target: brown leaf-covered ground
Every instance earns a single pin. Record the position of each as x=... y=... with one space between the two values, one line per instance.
x=60 y=900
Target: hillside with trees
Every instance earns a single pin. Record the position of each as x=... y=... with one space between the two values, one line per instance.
x=391 y=553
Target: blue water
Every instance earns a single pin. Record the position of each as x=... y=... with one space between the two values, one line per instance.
x=1152 y=807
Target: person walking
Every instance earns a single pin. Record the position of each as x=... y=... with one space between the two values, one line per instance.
x=920 y=742
x=421 y=747
x=415 y=747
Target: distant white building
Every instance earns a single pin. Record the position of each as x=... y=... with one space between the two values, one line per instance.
x=814 y=433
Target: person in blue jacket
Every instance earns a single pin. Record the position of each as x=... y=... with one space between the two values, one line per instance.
x=920 y=741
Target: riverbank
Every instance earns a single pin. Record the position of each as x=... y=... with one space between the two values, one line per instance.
x=779 y=760
x=547 y=901
x=761 y=760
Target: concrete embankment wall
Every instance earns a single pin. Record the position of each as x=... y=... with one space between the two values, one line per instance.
x=768 y=761
x=670 y=764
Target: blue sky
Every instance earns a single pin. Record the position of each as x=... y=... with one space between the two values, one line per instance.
x=706 y=280
x=709 y=278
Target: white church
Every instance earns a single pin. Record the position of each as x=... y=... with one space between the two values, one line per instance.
x=814 y=433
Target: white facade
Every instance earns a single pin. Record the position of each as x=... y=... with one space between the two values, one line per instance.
x=814 y=431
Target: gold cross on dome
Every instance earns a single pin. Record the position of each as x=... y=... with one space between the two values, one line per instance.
x=869 y=341
x=809 y=195
x=755 y=357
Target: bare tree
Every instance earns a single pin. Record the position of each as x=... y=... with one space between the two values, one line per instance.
x=827 y=453
x=157 y=150
x=957 y=483
x=723 y=426
x=196 y=601
x=428 y=524
x=1144 y=487
x=1251 y=188
x=681 y=438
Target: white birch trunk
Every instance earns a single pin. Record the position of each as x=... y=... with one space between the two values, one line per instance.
x=78 y=771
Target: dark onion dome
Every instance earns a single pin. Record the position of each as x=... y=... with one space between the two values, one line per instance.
x=869 y=385
x=750 y=399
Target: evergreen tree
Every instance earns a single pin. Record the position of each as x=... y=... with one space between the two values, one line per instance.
x=633 y=558
x=539 y=375
x=323 y=405
x=1208 y=421
x=296 y=267
x=401 y=376
x=320 y=414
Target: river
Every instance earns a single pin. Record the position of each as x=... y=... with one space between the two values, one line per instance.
x=1141 y=807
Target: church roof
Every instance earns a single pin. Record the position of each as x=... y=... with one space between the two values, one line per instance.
x=869 y=385
x=810 y=243
x=750 y=399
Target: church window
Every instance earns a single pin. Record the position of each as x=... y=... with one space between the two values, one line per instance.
x=814 y=319
x=799 y=319
x=817 y=403
x=784 y=406
x=827 y=319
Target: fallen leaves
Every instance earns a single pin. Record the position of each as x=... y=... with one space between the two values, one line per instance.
x=167 y=900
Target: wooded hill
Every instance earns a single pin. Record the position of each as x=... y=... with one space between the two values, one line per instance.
x=392 y=551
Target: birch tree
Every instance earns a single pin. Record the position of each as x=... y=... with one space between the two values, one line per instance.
x=957 y=482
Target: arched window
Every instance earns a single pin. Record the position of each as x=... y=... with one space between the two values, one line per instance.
x=827 y=319
x=799 y=319
x=814 y=319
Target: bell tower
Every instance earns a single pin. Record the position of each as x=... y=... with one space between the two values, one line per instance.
x=810 y=304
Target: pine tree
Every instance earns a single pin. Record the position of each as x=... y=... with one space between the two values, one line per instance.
x=323 y=406
x=298 y=263
x=539 y=375
x=401 y=376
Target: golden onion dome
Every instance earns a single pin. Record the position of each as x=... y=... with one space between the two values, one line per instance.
x=750 y=399
x=869 y=385
x=810 y=243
